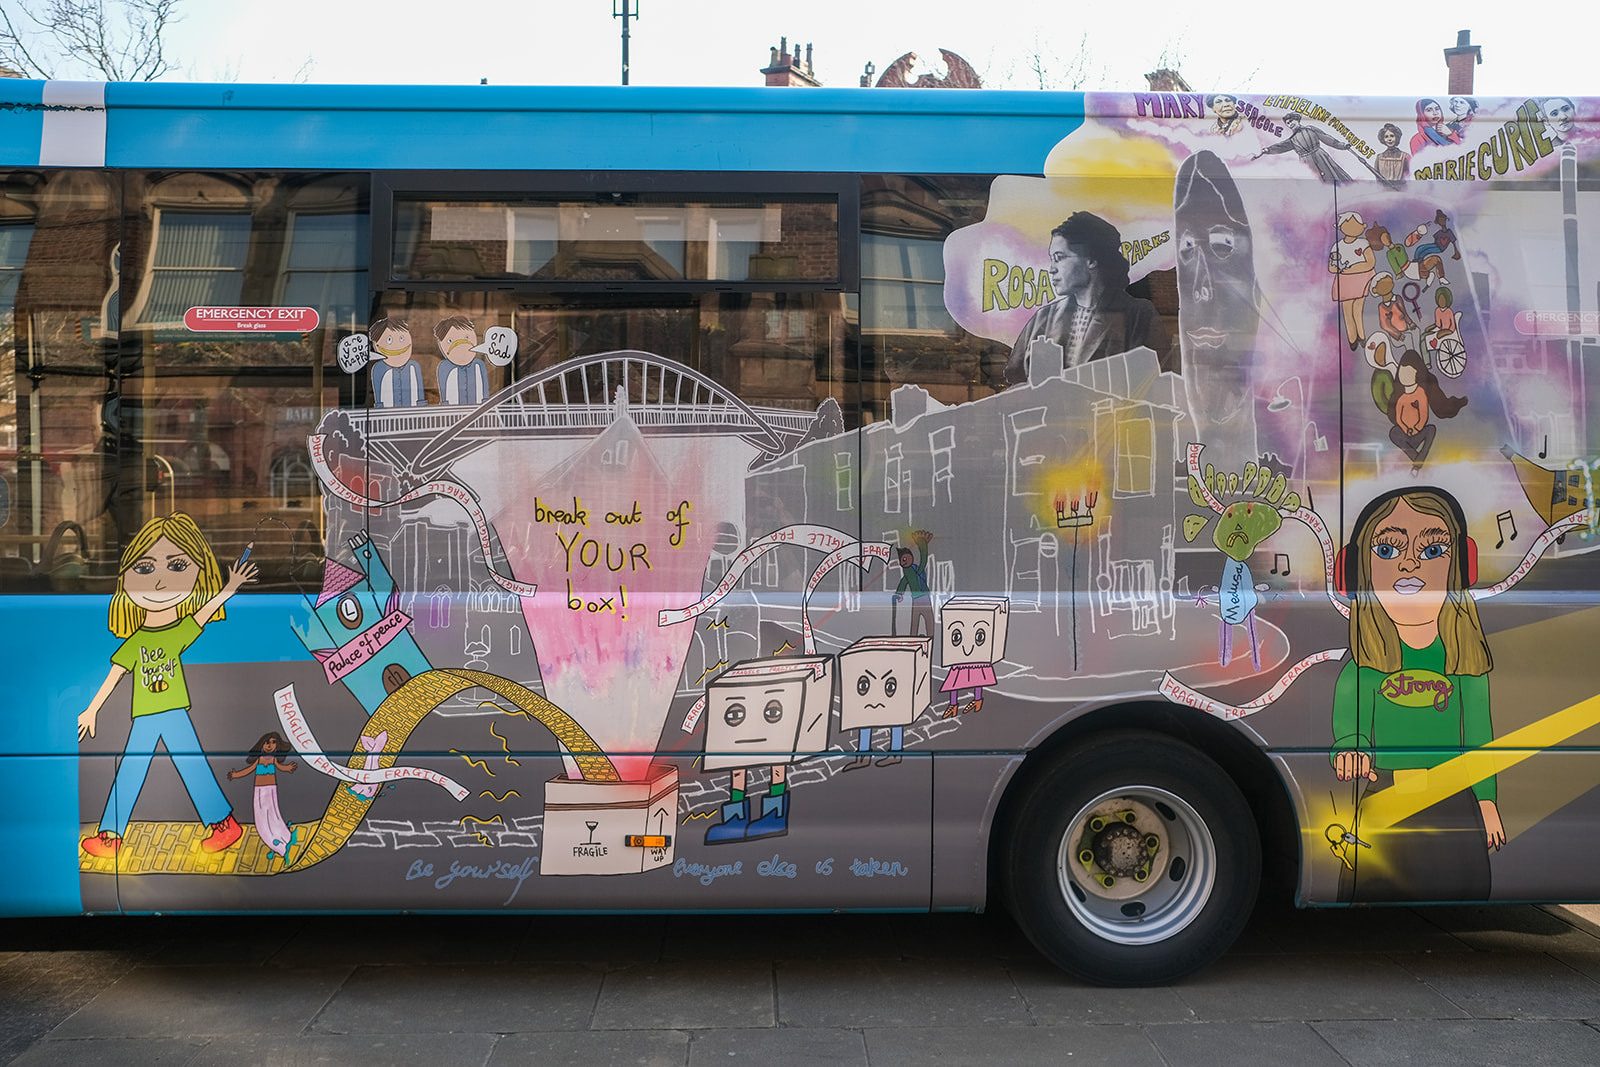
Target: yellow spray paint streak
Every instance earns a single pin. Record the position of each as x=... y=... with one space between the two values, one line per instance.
x=483 y=838
x=504 y=745
x=1386 y=808
x=501 y=799
x=481 y=764
x=407 y=706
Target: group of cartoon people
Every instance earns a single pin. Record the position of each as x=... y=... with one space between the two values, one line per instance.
x=397 y=379
x=1404 y=385
x=169 y=588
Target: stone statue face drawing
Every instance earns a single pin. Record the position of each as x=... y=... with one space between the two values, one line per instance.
x=1217 y=312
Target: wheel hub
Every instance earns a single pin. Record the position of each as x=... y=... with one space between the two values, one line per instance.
x=1120 y=849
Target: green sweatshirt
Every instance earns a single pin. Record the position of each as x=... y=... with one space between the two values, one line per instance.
x=1417 y=717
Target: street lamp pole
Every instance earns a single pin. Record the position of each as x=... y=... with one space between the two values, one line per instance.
x=626 y=10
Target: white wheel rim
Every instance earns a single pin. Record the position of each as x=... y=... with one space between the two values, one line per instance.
x=1182 y=870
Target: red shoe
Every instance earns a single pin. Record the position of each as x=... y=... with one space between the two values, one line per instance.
x=223 y=834
x=104 y=844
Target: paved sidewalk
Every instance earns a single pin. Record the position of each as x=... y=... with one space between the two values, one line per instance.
x=1456 y=986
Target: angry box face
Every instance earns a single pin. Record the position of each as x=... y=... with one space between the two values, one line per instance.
x=764 y=712
x=972 y=629
x=884 y=681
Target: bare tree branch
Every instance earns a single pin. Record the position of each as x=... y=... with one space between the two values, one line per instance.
x=114 y=40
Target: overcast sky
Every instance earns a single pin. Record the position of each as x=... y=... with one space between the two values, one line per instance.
x=1382 y=49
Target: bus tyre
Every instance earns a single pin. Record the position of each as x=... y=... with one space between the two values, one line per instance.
x=1133 y=860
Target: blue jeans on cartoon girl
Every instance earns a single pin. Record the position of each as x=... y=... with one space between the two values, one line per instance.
x=183 y=748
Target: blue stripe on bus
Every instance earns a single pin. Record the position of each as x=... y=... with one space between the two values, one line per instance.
x=21 y=122
x=39 y=802
x=576 y=128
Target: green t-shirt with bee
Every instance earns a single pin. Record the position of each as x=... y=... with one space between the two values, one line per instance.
x=151 y=656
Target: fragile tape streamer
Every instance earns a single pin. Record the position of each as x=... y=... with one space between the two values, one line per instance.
x=399 y=714
x=1194 y=472
x=445 y=487
x=857 y=552
x=804 y=534
x=298 y=731
x=1535 y=550
x=1179 y=693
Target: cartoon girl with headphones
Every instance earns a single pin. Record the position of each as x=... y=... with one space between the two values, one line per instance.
x=1416 y=693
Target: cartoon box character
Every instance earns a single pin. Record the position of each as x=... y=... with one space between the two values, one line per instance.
x=972 y=639
x=883 y=681
x=610 y=827
x=764 y=712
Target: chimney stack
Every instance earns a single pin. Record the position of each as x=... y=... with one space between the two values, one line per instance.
x=1460 y=60
x=785 y=68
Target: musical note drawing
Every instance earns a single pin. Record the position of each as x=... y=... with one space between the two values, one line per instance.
x=1276 y=556
x=1545 y=451
x=1500 y=521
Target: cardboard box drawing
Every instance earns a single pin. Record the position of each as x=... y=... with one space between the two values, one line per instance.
x=586 y=824
x=768 y=711
x=884 y=681
x=972 y=629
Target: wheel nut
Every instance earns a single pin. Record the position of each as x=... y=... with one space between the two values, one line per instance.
x=1107 y=881
x=1086 y=857
x=1097 y=824
x=1152 y=842
x=1128 y=816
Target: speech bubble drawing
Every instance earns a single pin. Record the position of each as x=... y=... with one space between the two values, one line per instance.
x=355 y=352
x=499 y=344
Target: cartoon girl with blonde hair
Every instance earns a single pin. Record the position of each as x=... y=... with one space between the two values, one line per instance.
x=168 y=588
x=1416 y=694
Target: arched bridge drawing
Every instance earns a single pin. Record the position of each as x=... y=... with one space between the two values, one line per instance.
x=577 y=396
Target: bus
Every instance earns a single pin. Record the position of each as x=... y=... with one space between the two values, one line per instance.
x=624 y=499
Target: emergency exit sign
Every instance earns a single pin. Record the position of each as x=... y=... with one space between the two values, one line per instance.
x=250 y=320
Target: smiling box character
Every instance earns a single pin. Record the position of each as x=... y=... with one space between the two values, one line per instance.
x=884 y=681
x=764 y=712
x=972 y=639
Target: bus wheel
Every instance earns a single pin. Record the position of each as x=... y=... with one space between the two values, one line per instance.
x=1133 y=860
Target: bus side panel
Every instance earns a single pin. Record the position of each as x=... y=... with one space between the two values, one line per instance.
x=966 y=797
x=38 y=752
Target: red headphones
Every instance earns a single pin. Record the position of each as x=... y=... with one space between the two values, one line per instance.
x=1466 y=555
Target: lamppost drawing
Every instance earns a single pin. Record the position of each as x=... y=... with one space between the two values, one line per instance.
x=1075 y=520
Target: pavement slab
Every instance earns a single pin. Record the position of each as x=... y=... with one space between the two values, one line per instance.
x=1522 y=986
x=1100 y=1046
x=1052 y=997
x=461 y=999
x=890 y=993
x=348 y=1050
x=203 y=1001
x=779 y=1047
x=1271 y=988
x=686 y=996
x=614 y=1048
x=1244 y=1045
x=1470 y=1043
x=122 y=1051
